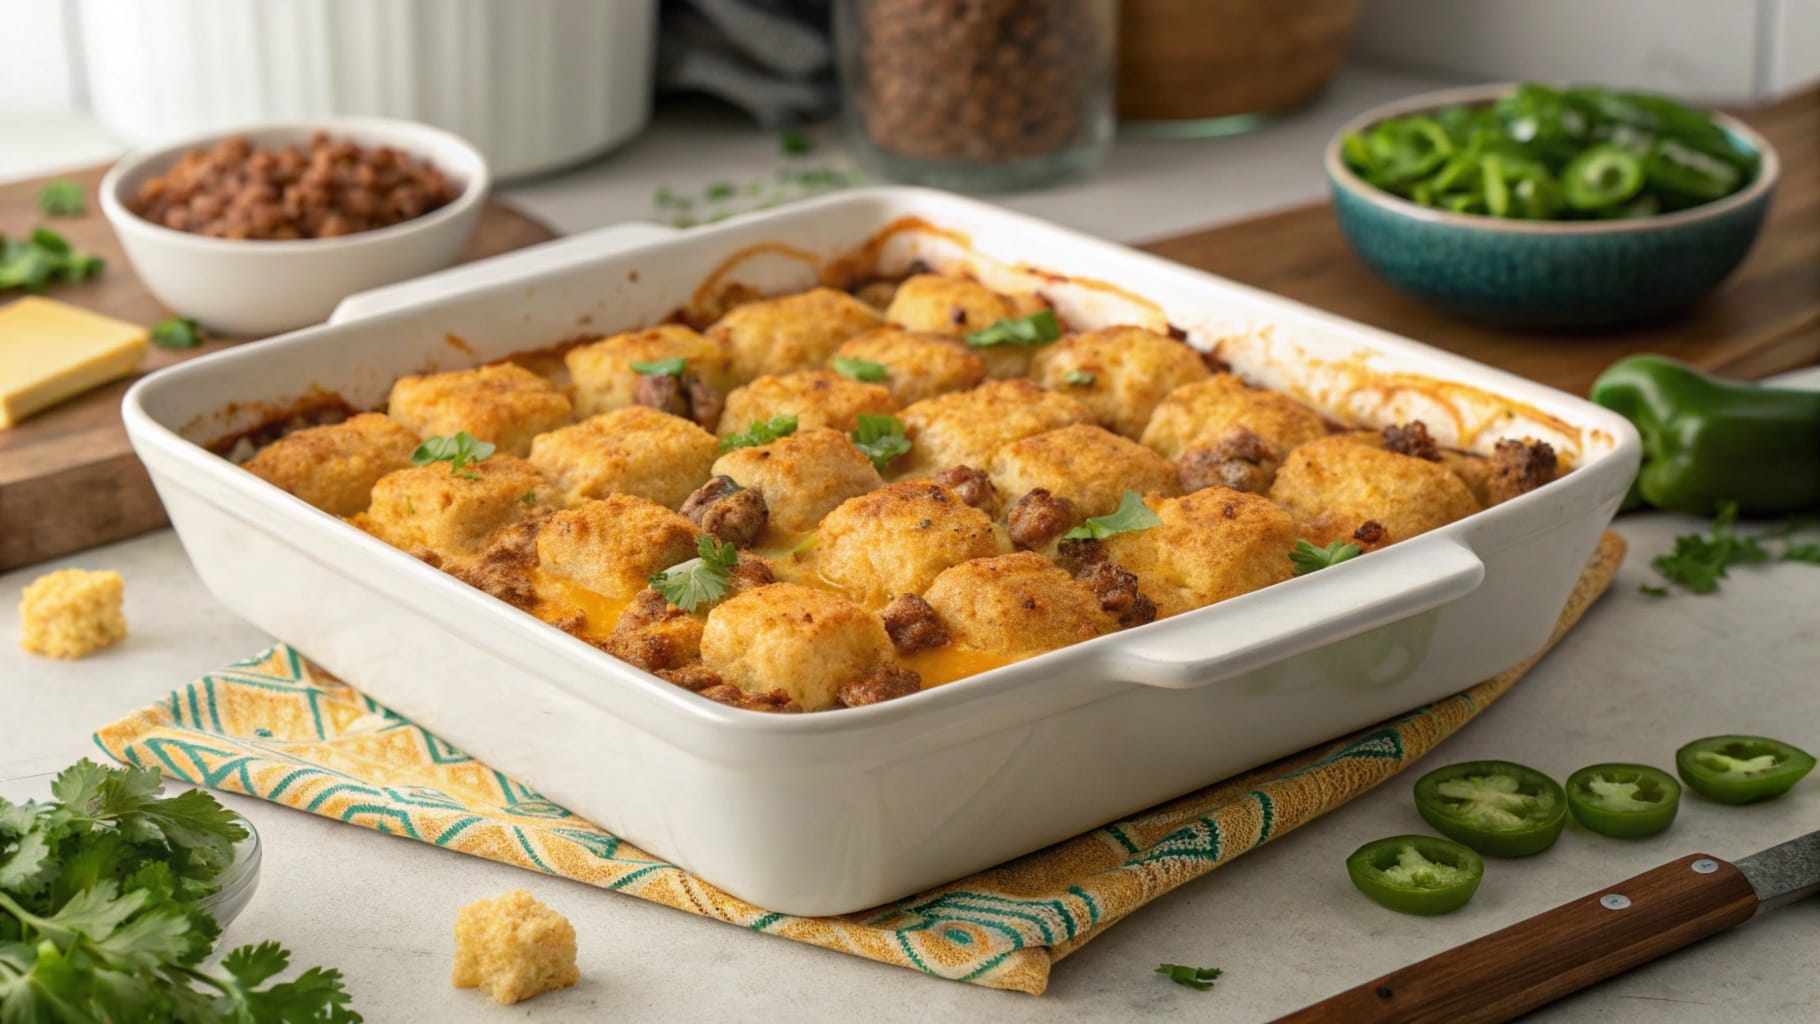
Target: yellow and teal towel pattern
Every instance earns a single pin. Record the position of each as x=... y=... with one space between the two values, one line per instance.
x=276 y=728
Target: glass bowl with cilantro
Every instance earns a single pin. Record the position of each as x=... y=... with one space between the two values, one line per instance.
x=1532 y=205
x=224 y=885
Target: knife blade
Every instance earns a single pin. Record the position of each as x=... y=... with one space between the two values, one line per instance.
x=1514 y=970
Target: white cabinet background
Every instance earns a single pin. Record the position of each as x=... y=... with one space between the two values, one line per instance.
x=1723 y=51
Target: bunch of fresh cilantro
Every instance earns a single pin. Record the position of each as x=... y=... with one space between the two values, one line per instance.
x=99 y=918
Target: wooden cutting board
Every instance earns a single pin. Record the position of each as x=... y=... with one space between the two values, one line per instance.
x=1763 y=320
x=68 y=479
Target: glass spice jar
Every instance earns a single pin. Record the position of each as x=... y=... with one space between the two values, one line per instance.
x=977 y=95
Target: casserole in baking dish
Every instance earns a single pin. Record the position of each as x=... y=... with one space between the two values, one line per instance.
x=831 y=813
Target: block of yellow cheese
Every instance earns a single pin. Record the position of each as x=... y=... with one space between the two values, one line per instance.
x=50 y=351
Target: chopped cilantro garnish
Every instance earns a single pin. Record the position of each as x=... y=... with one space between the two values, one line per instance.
x=762 y=432
x=722 y=190
x=1079 y=378
x=794 y=143
x=1200 y=978
x=528 y=497
x=859 y=369
x=43 y=259
x=1131 y=516
x=1308 y=558
x=62 y=198
x=1038 y=328
x=457 y=451
x=1644 y=588
x=660 y=367
x=176 y=332
x=881 y=438
x=1700 y=560
x=701 y=580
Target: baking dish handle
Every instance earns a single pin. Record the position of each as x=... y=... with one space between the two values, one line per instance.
x=519 y=263
x=1353 y=597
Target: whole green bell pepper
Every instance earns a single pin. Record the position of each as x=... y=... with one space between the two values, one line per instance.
x=1708 y=440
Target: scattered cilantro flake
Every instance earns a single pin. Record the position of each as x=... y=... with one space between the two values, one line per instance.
x=1038 y=328
x=722 y=190
x=176 y=332
x=660 y=367
x=763 y=432
x=1644 y=588
x=528 y=497
x=794 y=143
x=1308 y=558
x=62 y=198
x=859 y=369
x=99 y=914
x=1809 y=553
x=881 y=438
x=457 y=451
x=1079 y=378
x=701 y=580
x=43 y=259
x=1199 y=978
x=1131 y=516
x=1700 y=560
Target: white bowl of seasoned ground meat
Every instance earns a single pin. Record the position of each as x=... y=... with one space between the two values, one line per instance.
x=264 y=229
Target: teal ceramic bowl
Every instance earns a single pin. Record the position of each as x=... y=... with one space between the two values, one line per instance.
x=1552 y=274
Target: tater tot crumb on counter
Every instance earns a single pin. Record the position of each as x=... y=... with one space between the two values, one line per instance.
x=512 y=948
x=72 y=613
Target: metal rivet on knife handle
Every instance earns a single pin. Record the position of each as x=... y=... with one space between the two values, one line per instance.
x=1706 y=866
x=1614 y=901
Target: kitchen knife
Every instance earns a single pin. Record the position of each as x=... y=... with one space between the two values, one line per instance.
x=1536 y=961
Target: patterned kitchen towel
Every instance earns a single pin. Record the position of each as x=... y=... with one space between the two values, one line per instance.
x=276 y=728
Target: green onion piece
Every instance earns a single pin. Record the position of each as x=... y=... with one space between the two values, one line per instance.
x=660 y=367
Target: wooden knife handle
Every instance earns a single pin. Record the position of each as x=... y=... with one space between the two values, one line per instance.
x=1512 y=971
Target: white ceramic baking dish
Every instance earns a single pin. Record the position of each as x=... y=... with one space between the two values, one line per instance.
x=838 y=811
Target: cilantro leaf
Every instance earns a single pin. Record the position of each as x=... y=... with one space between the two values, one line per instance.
x=660 y=367
x=42 y=259
x=1644 y=588
x=24 y=265
x=1079 y=378
x=62 y=198
x=1308 y=558
x=1036 y=329
x=859 y=369
x=1809 y=553
x=1198 y=978
x=762 y=432
x=1700 y=560
x=881 y=438
x=457 y=451
x=177 y=332
x=701 y=580
x=117 y=934
x=794 y=143
x=1131 y=516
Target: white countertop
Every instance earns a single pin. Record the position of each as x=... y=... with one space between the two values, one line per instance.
x=1639 y=677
